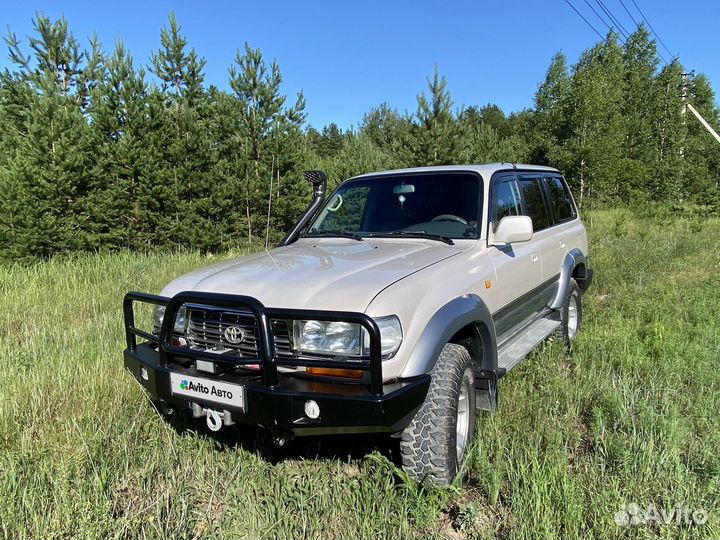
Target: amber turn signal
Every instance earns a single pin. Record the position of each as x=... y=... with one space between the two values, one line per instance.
x=348 y=373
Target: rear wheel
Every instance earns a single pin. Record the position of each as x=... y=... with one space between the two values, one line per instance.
x=570 y=315
x=435 y=444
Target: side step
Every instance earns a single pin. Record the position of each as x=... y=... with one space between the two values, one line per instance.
x=517 y=348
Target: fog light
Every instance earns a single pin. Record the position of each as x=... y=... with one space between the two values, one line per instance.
x=143 y=374
x=312 y=409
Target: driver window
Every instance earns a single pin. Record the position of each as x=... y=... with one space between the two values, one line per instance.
x=344 y=212
x=505 y=200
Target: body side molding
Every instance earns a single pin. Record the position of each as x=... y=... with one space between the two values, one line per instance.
x=445 y=323
x=572 y=259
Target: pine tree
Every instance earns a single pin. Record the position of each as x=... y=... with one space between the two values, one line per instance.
x=435 y=136
x=291 y=191
x=481 y=143
x=15 y=197
x=46 y=174
x=94 y=155
x=331 y=140
x=182 y=145
x=261 y=108
x=119 y=204
x=391 y=133
x=225 y=198
x=180 y=71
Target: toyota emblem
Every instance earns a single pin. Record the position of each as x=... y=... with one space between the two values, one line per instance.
x=234 y=334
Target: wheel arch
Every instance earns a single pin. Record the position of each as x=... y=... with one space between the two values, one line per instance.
x=580 y=274
x=464 y=320
x=574 y=266
x=475 y=337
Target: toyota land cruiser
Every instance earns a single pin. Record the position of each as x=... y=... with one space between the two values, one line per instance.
x=394 y=306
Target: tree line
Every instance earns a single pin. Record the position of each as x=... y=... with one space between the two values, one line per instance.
x=98 y=152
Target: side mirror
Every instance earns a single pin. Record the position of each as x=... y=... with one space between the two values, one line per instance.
x=513 y=229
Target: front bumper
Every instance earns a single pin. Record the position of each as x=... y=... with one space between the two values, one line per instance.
x=344 y=408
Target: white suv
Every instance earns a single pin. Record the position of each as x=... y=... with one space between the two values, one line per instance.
x=395 y=305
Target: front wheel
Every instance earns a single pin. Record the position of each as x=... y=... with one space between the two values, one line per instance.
x=435 y=444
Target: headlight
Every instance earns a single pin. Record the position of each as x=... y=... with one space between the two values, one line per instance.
x=343 y=338
x=180 y=319
x=328 y=337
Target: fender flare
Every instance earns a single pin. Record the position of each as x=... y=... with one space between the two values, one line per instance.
x=572 y=259
x=445 y=323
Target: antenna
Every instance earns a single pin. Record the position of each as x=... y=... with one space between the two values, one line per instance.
x=267 y=224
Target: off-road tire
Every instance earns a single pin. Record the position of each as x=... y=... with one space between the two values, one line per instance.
x=563 y=333
x=427 y=445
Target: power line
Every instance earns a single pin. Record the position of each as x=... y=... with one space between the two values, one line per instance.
x=622 y=32
x=584 y=19
x=610 y=27
x=616 y=22
x=652 y=29
x=637 y=24
x=598 y=15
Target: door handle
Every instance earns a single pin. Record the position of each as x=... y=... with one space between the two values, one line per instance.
x=534 y=257
x=562 y=245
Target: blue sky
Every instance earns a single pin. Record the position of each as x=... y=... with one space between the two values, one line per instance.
x=351 y=56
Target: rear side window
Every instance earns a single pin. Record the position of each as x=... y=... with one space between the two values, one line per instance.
x=505 y=200
x=560 y=198
x=532 y=193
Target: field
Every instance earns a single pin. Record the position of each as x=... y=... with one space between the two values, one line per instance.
x=630 y=417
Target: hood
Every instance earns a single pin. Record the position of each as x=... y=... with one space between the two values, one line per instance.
x=328 y=273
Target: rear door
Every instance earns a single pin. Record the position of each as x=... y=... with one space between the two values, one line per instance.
x=563 y=214
x=517 y=266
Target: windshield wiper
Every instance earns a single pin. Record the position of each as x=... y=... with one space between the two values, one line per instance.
x=332 y=234
x=415 y=234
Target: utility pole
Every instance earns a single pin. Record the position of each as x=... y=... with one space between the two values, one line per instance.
x=687 y=106
x=703 y=121
x=684 y=95
x=685 y=86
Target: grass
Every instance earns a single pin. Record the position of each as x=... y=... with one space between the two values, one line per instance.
x=630 y=416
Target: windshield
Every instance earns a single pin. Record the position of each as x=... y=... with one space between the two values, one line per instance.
x=444 y=204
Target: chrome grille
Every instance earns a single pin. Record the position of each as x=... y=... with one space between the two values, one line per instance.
x=208 y=331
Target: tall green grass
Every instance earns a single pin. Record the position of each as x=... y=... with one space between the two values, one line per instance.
x=630 y=416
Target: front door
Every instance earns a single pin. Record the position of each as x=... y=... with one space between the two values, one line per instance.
x=518 y=267
x=551 y=250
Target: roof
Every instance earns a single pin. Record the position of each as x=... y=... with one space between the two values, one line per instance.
x=486 y=169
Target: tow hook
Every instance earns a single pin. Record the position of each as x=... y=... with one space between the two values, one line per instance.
x=215 y=419
x=214 y=422
x=279 y=440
